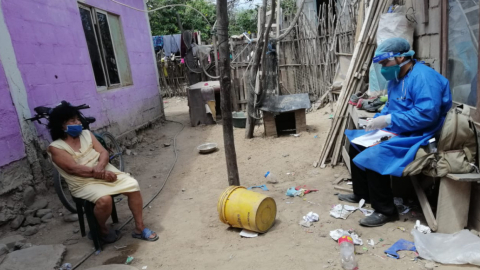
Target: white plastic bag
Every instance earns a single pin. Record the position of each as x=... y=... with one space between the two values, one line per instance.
x=458 y=248
x=390 y=25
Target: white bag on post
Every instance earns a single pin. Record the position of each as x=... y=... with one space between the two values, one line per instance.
x=390 y=25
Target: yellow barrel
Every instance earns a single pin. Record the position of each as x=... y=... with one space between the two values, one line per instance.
x=242 y=208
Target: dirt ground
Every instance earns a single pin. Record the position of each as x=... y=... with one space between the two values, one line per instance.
x=185 y=213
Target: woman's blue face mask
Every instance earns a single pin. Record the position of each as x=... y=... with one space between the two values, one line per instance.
x=74 y=130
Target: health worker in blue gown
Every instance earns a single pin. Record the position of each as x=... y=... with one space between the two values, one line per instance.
x=418 y=101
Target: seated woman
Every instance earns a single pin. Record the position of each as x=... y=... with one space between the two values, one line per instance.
x=83 y=162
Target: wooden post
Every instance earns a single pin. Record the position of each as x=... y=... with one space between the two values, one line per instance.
x=225 y=93
x=215 y=51
x=250 y=125
x=476 y=116
x=444 y=38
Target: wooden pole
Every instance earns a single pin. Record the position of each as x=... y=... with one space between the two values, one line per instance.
x=476 y=116
x=250 y=125
x=444 y=38
x=225 y=93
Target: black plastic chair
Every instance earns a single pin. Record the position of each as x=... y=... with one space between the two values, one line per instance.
x=86 y=207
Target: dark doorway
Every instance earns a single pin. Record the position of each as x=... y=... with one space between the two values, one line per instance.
x=285 y=123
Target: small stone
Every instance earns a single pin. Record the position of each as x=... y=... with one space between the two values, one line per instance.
x=152 y=149
x=29 y=196
x=11 y=241
x=18 y=245
x=40 y=204
x=70 y=218
x=27 y=245
x=336 y=175
x=29 y=213
x=135 y=153
x=47 y=218
x=3 y=218
x=76 y=230
x=42 y=212
x=166 y=145
x=3 y=249
x=31 y=230
x=154 y=176
x=17 y=222
x=22 y=229
x=128 y=152
x=30 y=220
x=430 y=265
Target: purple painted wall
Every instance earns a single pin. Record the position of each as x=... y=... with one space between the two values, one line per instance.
x=53 y=58
x=11 y=141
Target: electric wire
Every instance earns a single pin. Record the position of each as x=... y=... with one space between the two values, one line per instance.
x=151 y=199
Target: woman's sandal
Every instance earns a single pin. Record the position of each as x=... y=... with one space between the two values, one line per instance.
x=145 y=235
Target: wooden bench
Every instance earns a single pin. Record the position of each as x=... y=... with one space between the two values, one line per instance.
x=453 y=202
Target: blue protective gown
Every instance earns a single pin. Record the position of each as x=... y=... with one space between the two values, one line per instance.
x=418 y=111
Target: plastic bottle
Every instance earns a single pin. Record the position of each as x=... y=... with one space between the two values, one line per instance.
x=271 y=178
x=347 y=252
x=432 y=145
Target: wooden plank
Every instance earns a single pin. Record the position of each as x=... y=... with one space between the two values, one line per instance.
x=269 y=124
x=343 y=189
x=426 y=208
x=346 y=159
x=467 y=177
x=474 y=216
x=453 y=205
x=300 y=121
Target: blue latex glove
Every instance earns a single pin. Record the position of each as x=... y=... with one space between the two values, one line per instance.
x=401 y=244
x=264 y=187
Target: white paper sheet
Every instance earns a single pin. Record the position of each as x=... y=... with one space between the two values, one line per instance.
x=372 y=138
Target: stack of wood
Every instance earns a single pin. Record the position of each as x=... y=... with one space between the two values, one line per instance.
x=357 y=71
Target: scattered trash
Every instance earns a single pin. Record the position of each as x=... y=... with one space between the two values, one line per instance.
x=183 y=190
x=305 y=189
x=336 y=234
x=311 y=217
x=364 y=248
x=264 y=187
x=343 y=211
x=271 y=178
x=402 y=229
x=305 y=223
x=289 y=202
x=292 y=192
x=402 y=209
x=129 y=260
x=347 y=252
x=248 y=234
x=380 y=240
x=349 y=183
x=331 y=116
x=97 y=252
x=316 y=136
x=421 y=228
x=295 y=135
x=66 y=266
x=458 y=248
x=145 y=267
x=117 y=248
x=401 y=244
x=371 y=242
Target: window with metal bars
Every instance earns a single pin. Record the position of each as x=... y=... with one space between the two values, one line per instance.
x=106 y=46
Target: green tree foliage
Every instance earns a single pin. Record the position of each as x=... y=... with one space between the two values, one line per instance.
x=164 y=21
x=243 y=21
